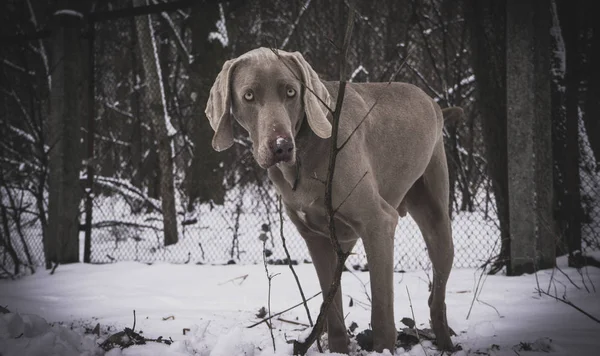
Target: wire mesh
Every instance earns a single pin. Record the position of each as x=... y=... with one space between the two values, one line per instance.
x=225 y=207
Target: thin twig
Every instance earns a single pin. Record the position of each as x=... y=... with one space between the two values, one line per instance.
x=289 y=260
x=587 y=273
x=374 y=103
x=243 y=278
x=276 y=52
x=569 y=303
x=583 y=280
x=351 y=191
x=269 y=277
x=293 y=322
x=134 y=320
x=281 y=312
x=551 y=279
x=412 y=312
x=364 y=285
x=568 y=278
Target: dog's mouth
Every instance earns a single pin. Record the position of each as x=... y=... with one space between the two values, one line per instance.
x=267 y=158
x=268 y=163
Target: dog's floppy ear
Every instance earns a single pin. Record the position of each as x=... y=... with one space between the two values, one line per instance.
x=218 y=108
x=316 y=111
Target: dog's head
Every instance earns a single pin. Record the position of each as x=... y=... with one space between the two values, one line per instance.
x=269 y=93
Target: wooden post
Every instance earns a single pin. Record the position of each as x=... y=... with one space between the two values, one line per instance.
x=68 y=109
x=532 y=228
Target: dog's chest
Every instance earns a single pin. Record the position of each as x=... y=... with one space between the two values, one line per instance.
x=300 y=193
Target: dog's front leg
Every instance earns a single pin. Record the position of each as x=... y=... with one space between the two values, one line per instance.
x=325 y=260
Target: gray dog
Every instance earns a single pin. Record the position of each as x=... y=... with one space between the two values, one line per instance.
x=280 y=101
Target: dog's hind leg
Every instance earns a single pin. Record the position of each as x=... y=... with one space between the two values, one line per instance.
x=427 y=202
x=378 y=239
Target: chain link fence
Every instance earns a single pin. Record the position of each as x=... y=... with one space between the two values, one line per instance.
x=226 y=210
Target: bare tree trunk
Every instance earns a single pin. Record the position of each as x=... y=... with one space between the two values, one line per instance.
x=529 y=136
x=155 y=101
x=6 y=239
x=204 y=176
x=487 y=23
x=136 y=150
x=69 y=106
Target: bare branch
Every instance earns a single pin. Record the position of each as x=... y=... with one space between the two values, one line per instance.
x=300 y=348
x=293 y=28
x=349 y=194
x=413 y=317
x=281 y=312
x=289 y=259
x=376 y=102
x=270 y=278
x=301 y=81
x=569 y=303
x=181 y=48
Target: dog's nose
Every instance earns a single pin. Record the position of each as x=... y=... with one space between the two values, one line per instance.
x=282 y=149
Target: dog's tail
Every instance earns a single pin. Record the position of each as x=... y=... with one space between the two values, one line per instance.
x=453 y=115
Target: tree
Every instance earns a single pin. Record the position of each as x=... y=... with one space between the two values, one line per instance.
x=204 y=176
x=487 y=23
x=155 y=108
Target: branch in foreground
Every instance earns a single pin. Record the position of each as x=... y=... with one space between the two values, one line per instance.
x=281 y=312
x=289 y=260
x=300 y=348
x=569 y=303
x=269 y=277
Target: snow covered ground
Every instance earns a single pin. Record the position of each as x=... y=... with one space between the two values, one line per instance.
x=217 y=303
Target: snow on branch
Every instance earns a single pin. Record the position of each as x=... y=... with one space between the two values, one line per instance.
x=357 y=71
x=178 y=40
x=170 y=129
x=126 y=189
x=68 y=12
x=23 y=134
x=293 y=28
x=42 y=49
x=221 y=33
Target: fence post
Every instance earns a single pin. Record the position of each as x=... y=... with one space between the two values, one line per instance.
x=532 y=230
x=89 y=190
x=68 y=108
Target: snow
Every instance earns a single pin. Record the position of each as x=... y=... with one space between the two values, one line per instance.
x=221 y=33
x=217 y=307
x=293 y=27
x=170 y=129
x=559 y=50
x=68 y=12
x=175 y=33
x=358 y=70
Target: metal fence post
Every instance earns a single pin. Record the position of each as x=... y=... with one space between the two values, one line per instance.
x=89 y=190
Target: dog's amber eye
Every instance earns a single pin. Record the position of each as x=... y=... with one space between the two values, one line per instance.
x=249 y=96
x=291 y=93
